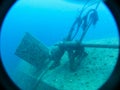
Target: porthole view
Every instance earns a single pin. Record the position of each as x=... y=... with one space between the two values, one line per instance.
x=59 y=44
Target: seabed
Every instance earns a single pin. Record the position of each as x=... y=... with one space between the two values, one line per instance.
x=92 y=73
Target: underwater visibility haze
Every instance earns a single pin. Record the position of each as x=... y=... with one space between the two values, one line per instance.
x=42 y=48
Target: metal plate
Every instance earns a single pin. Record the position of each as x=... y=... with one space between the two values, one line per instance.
x=32 y=51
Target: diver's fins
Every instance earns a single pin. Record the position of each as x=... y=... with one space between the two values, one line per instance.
x=33 y=51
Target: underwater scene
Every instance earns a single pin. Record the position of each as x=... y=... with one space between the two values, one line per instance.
x=59 y=44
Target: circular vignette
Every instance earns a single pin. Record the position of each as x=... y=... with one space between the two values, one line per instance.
x=5 y=81
x=114 y=80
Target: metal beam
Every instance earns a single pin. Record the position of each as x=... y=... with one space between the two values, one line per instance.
x=76 y=45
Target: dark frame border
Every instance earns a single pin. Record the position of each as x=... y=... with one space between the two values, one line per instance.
x=112 y=83
x=5 y=82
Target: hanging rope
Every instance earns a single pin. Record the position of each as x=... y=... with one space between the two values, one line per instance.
x=77 y=23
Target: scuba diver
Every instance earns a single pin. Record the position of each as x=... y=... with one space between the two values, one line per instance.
x=75 y=50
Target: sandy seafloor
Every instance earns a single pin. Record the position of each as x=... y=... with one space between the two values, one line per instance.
x=92 y=73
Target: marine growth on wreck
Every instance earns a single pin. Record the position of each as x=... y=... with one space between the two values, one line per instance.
x=77 y=56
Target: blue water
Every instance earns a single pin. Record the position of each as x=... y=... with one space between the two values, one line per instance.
x=48 y=21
